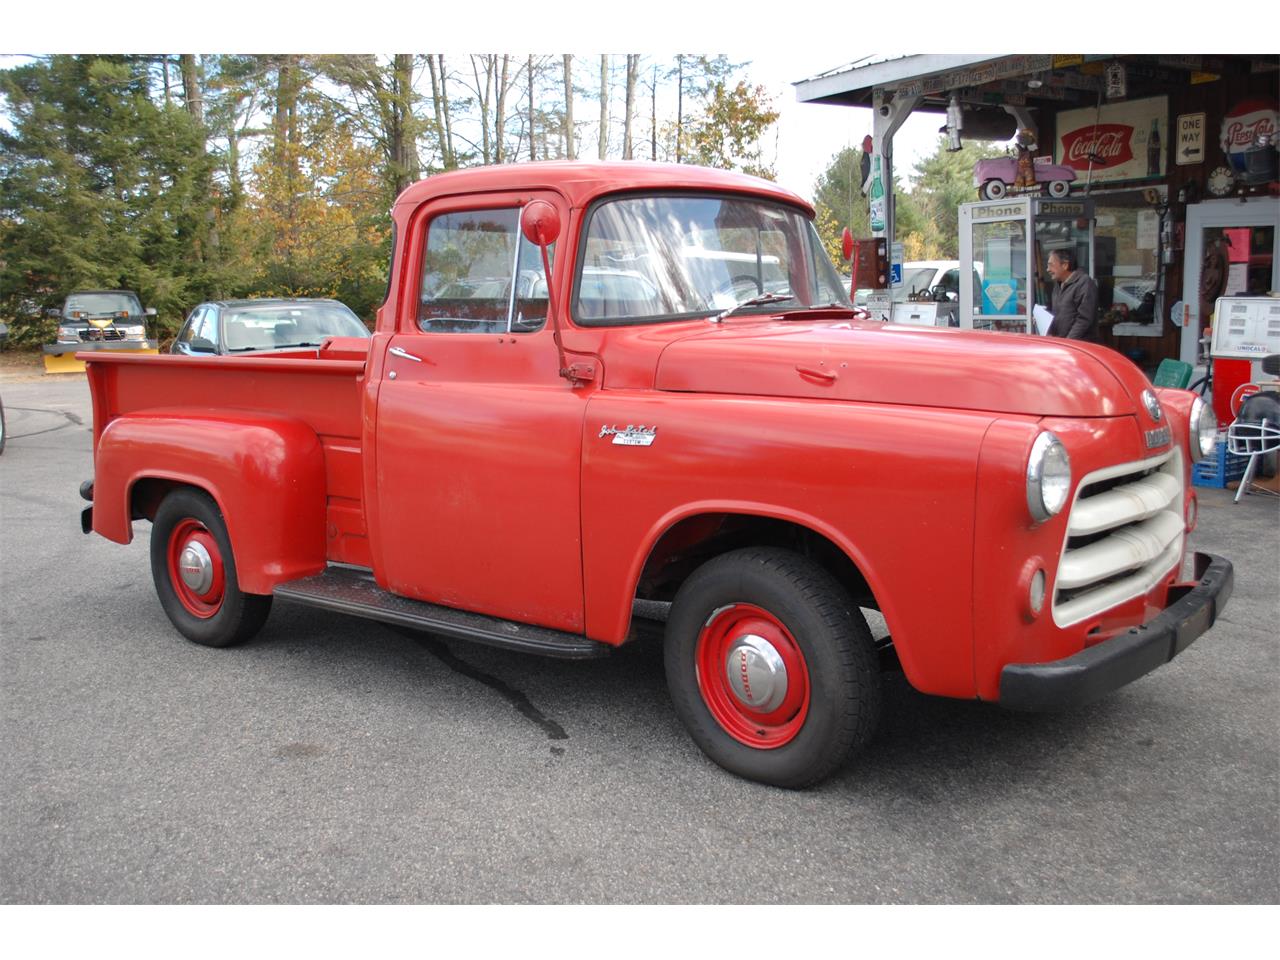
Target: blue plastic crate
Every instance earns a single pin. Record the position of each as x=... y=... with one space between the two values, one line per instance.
x=1220 y=467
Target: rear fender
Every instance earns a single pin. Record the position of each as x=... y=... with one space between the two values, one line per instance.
x=266 y=474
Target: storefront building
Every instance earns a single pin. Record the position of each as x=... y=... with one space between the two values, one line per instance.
x=1176 y=155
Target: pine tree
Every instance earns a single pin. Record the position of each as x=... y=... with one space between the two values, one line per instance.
x=100 y=188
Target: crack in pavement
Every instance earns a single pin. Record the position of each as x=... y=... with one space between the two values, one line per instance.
x=72 y=419
x=517 y=699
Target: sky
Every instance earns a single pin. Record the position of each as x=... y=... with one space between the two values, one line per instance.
x=808 y=135
x=804 y=139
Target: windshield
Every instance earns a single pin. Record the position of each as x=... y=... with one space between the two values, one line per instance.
x=95 y=304
x=919 y=280
x=665 y=258
x=279 y=325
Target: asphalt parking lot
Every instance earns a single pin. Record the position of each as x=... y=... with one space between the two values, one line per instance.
x=332 y=760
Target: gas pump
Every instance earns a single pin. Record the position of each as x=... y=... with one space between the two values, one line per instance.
x=1008 y=242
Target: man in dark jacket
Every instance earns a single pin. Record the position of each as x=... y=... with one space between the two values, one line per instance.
x=1075 y=299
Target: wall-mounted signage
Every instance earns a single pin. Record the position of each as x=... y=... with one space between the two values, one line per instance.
x=974 y=76
x=1189 y=147
x=1117 y=87
x=1120 y=141
x=1245 y=125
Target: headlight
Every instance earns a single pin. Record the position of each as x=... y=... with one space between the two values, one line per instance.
x=1048 y=477
x=1202 y=431
x=133 y=331
x=68 y=333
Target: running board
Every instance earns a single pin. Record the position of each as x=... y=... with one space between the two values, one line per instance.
x=353 y=592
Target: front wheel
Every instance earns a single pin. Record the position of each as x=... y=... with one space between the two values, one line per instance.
x=195 y=573
x=993 y=190
x=1059 y=189
x=771 y=667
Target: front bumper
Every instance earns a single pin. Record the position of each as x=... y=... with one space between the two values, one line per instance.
x=84 y=346
x=1097 y=670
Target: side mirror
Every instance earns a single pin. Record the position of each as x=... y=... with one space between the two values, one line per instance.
x=846 y=244
x=540 y=223
x=201 y=345
x=150 y=311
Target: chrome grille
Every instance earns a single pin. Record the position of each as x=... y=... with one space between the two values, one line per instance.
x=1124 y=534
x=92 y=334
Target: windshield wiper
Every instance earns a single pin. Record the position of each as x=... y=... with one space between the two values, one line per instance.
x=756 y=301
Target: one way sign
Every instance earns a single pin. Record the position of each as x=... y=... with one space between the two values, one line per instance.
x=1190 y=146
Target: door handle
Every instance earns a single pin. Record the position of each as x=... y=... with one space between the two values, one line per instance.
x=821 y=377
x=396 y=351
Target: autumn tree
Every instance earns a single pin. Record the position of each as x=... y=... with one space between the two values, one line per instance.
x=838 y=201
x=728 y=133
x=380 y=105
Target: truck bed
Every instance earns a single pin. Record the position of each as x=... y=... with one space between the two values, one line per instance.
x=321 y=389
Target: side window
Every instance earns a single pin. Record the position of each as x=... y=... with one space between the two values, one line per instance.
x=209 y=326
x=192 y=324
x=467 y=272
x=950 y=282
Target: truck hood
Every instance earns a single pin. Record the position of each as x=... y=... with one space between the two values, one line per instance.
x=872 y=362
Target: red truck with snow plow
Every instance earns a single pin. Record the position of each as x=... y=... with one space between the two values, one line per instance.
x=597 y=388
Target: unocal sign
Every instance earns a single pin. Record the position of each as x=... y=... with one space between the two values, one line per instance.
x=1242 y=125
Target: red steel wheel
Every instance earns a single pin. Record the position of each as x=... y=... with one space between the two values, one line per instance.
x=752 y=676
x=771 y=667
x=196 y=569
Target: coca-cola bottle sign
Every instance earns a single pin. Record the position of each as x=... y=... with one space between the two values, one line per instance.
x=1111 y=145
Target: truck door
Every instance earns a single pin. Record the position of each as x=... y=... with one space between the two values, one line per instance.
x=478 y=438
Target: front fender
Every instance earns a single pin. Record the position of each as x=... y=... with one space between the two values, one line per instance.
x=266 y=474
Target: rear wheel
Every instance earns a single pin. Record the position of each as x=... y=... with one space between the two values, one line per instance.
x=1059 y=188
x=195 y=573
x=993 y=190
x=771 y=667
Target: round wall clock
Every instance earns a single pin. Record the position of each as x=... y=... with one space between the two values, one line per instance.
x=1221 y=180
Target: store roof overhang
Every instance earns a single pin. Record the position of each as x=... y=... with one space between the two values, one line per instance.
x=855 y=85
x=1049 y=82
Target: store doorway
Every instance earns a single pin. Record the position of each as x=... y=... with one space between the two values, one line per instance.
x=1230 y=250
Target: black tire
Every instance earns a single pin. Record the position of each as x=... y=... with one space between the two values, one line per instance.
x=809 y=608
x=1059 y=189
x=994 y=190
x=222 y=616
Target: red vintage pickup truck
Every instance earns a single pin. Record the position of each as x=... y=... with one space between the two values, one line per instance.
x=602 y=388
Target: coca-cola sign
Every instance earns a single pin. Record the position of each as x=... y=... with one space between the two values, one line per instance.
x=1126 y=140
x=1109 y=145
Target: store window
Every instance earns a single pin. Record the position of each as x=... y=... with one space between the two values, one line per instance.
x=1127 y=243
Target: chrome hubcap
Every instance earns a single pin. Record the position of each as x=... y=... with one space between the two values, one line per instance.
x=756 y=674
x=195 y=566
